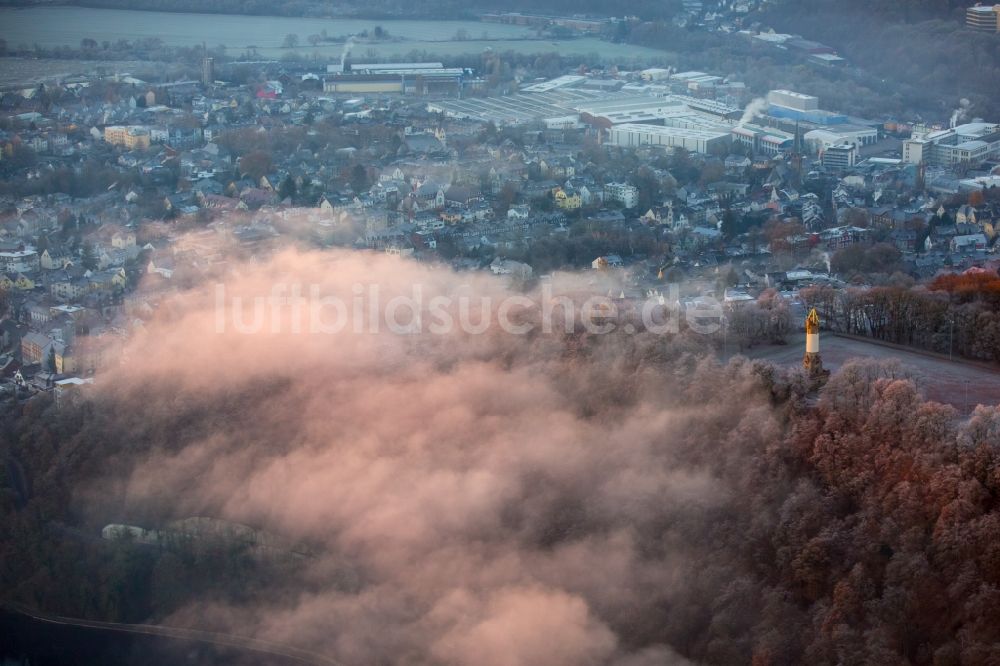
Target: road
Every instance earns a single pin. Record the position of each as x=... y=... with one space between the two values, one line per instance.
x=961 y=384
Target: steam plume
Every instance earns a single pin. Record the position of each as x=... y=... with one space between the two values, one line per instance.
x=961 y=113
x=348 y=46
x=752 y=110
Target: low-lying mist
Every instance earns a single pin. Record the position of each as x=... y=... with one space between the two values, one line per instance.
x=493 y=498
x=494 y=493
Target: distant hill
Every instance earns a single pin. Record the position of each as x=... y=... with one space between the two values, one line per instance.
x=878 y=10
x=921 y=44
x=377 y=8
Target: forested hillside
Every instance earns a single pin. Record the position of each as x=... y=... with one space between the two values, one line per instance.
x=859 y=528
x=878 y=10
x=922 y=44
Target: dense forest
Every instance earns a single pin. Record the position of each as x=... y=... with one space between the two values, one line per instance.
x=891 y=11
x=607 y=487
x=954 y=314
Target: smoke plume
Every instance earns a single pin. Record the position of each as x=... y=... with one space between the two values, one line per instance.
x=961 y=113
x=348 y=46
x=755 y=108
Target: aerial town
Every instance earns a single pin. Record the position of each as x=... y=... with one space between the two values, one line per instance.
x=651 y=176
x=534 y=333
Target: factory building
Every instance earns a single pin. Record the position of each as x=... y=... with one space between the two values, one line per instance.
x=694 y=140
x=560 y=104
x=568 y=81
x=818 y=117
x=793 y=100
x=971 y=143
x=826 y=60
x=709 y=106
x=672 y=111
x=572 y=106
x=763 y=140
x=385 y=67
x=655 y=74
x=411 y=78
x=622 y=110
x=695 y=81
x=353 y=84
x=819 y=140
x=789 y=105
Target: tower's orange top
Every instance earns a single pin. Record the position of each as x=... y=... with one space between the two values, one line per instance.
x=812 y=322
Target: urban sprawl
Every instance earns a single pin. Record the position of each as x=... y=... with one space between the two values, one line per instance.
x=118 y=191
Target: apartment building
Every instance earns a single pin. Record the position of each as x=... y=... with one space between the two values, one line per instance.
x=984 y=18
x=131 y=136
x=627 y=195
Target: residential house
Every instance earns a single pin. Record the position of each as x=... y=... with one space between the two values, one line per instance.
x=607 y=261
x=11 y=332
x=109 y=280
x=53 y=260
x=520 y=212
x=62 y=355
x=123 y=239
x=968 y=242
x=37 y=314
x=68 y=287
x=567 y=200
x=18 y=281
x=904 y=239
x=966 y=215
x=25 y=260
x=35 y=348
x=510 y=267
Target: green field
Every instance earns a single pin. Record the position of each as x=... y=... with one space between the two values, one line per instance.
x=66 y=26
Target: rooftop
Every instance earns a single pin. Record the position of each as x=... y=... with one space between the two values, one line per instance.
x=796 y=95
x=686 y=132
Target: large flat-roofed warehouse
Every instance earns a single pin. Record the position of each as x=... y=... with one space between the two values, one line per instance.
x=630 y=109
x=401 y=77
x=694 y=140
x=574 y=105
x=793 y=100
x=696 y=80
x=568 y=81
x=523 y=108
x=856 y=135
x=710 y=106
x=382 y=67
